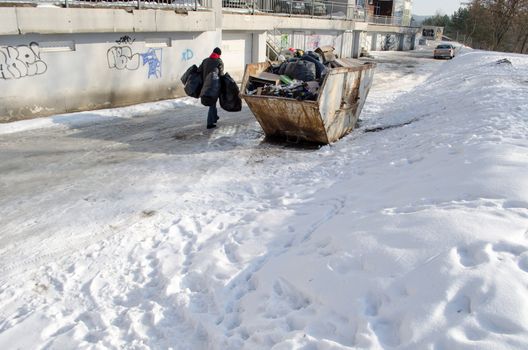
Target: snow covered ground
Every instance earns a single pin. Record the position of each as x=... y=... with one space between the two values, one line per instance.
x=137 y=228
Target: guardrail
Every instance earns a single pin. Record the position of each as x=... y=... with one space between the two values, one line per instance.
x=190 y=5
x=312 y=8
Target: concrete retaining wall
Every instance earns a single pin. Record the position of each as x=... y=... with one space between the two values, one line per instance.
x=49 y=74
x=57 y=60
x=387 y=41
x=54 y=20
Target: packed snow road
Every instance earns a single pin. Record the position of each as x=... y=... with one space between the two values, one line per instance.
x=92 y=174
x=138 y=228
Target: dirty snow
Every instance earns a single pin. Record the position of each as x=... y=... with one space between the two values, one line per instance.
x=138 y=228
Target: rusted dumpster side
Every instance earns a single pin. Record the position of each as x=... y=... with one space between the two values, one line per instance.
x=342 y=97
x=284 y=117
x=288 y=118
x=253 y=69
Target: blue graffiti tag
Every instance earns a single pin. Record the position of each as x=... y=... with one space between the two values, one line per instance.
x=154 y=63
x=187 y=55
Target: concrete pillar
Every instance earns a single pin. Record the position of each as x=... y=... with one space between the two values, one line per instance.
x=259 y=47
x=347 y=44
x=217 y=9
x=356 y=46
x=374 y=43
x=413 y=42
x=351 y=9
x=401 y=41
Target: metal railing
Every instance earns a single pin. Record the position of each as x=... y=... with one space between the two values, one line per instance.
x=274 y=46
x=189 y=5
x=311 y=8
x=390 y=20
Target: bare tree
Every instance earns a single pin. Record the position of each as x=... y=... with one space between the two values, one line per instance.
x=503 y=13
x=478 y=24
x=498 y=24
x=521 y=27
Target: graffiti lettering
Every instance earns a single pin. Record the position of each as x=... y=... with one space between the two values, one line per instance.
x=312 y=42
x=121 y=57
x=21 y=61
x=390 y=43
x=284 y=41
x=125 y=39
x=154 y=63
x=187 y=55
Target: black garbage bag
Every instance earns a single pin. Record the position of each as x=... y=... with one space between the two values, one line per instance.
x=320 y=69
x=274 y=68
x=315 y=55
x=193 y=85
x=282 y=68
x=301 y=70
x=229 y=94
x=187 y=74
x=211 y=89
x=283 y=65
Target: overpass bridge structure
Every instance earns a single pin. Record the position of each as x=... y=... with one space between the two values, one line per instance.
x=71 y=55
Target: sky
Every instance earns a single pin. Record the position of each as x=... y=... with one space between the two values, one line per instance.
x=430 y=7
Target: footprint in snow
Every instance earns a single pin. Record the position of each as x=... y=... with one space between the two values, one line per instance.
x=344 y=263
x=523 y=262
x=500 y=325
x=459 y=305
x=510 y=248
x=372 y=303
x=387 y=332
x=230 y=251
x=284 y=300
x=474 y=254
x=287 y=292
x=475 y=333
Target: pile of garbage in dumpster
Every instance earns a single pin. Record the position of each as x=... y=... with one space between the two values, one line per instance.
x=298 y=77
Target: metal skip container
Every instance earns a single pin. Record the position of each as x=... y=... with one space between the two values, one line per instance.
x=334 y=114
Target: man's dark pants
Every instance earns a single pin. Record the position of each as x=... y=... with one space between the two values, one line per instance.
x=211 y=116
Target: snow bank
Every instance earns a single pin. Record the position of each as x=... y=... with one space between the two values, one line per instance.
x=84 y=118
x=424 y=242
x=409 y=233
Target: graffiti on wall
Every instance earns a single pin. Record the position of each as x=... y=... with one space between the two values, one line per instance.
x=21 y=61
x=187 y=55
x=390 y=43
x=312 y=42
x=122 y=57
x=154 y=62
x=125 y=39
x=284 y=40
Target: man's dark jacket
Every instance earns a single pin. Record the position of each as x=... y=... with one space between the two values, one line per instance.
x=209 y=64
x=212 y=69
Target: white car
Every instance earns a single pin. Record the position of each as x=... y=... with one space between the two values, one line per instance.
x=444 y=51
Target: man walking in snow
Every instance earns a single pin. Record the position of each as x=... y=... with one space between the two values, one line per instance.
x=209 y=65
